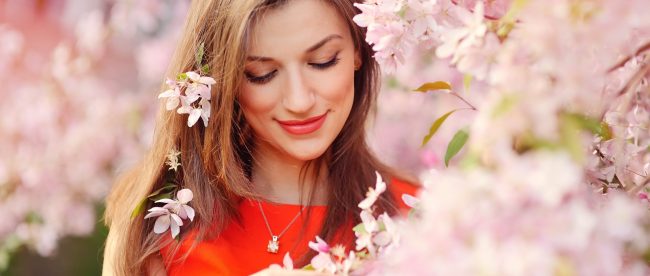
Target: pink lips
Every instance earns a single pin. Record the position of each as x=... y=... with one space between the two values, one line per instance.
x=300 y=127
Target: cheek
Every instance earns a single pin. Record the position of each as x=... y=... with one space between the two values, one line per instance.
x=340 y=88
x=256 y=102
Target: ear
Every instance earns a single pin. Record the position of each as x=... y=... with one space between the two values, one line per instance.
x=357 y=60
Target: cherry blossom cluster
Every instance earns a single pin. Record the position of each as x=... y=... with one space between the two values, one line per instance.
x=83 y=126
x=374 y=237
x=192 y=91
x=559 y=100
x=172 y=214
x=527 y=216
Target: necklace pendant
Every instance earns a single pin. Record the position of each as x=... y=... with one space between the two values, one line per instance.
x=274 y=245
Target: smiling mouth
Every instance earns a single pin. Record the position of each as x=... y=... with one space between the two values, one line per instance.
x=301 y=127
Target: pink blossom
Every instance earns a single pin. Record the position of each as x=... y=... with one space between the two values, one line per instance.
x=319 y=246
x=165 y=220
x=373 y=193
x=179 y=206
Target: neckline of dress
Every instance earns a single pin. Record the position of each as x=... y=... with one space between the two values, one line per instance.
x=279 y=205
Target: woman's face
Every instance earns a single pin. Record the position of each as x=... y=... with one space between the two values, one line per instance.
x=298 y=87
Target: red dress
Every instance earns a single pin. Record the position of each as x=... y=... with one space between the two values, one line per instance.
x=241 y=249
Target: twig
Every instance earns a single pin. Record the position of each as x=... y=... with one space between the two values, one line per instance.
x=641 y=50
x=635 y=79
x=463 y=99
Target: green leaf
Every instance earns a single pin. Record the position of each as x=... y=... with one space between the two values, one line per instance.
x=467 y=80
x=605 y=131
x=308 y=267
x=164 y=189
x=362 y=254
x=594 y=126
x=205 y=69
x=506 y=103
x=199 y=55
x=435 y=126
x=160 y=196
x=646 y=256
x=139 y=208
x=392 y=82
x=438 y=85
x=412 y=214
x=508 y=20
x=470 y=160
x=570 y=136
x=181 y=77
x=456 y=143
x=360 y=229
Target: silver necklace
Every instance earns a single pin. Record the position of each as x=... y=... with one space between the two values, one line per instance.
x=274 y=243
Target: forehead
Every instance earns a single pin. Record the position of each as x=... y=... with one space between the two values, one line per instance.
x=295 y=26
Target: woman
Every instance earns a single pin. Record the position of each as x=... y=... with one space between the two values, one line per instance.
x=283 y=156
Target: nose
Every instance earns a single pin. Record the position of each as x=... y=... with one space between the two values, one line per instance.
x=299 y=96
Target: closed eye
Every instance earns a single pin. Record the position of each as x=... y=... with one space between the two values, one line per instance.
x=328 y=64
x=261 y=79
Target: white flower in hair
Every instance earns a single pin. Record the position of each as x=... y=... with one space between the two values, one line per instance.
x=171 y=215
x=172 y=159
x=193 y=92
x=165 y=220
x=179 y=206
x=172 y=94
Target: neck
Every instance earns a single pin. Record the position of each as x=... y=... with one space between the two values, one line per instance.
x=277 y=178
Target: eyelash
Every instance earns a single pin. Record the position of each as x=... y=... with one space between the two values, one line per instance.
x=266 y=78
x=328 y=64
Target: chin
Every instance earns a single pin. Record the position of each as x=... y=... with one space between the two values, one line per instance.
x=306 y=152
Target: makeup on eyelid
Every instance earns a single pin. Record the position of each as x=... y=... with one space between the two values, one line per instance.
x=267 y=77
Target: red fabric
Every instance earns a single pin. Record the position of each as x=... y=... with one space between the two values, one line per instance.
x=241 y=248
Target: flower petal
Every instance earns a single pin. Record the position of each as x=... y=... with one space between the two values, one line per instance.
x=153 y=212
x=366 y=203
x=369 y=221
x=193 y=76
x=190 y=211
x=382 y=239
x=180 y=211
x=166 y=200
x=287 y=262
x=380 y=186
x=172 y=103
x=175 y=229
x=410 y=200
x=184 y=196
x=204 y=91
x=195 y=114
x=168 y=93
x=176 y=219
x=161 y=225
x=191 y=95
x=205 y=111
x=207 y=80
x=322 y=262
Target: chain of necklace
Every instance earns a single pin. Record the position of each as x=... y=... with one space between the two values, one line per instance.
x=274 y=244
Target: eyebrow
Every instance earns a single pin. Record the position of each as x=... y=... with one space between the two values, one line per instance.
x=309 y=50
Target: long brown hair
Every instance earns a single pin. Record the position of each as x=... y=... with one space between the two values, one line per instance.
x=216 y=160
